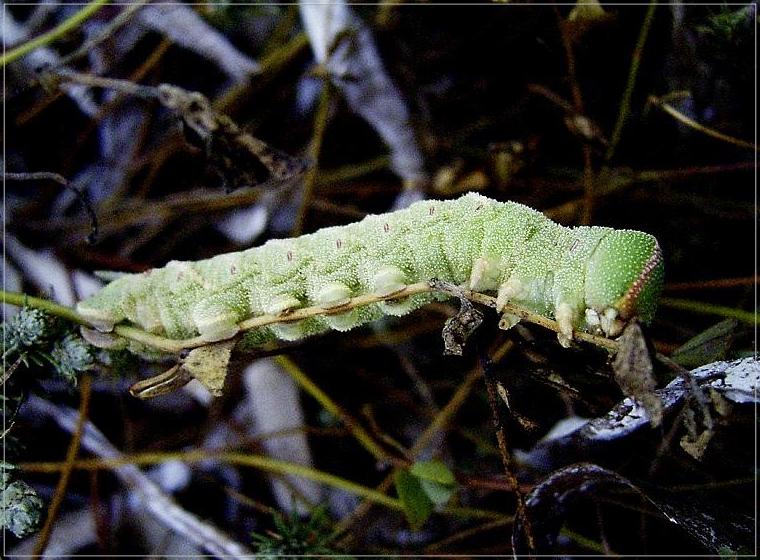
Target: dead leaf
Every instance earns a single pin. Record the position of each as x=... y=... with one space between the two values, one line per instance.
x=208 y=364
x=634 y=372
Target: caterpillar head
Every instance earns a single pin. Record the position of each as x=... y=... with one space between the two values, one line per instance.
x=624 y=278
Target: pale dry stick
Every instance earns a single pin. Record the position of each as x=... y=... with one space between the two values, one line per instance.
x=691 y=123
x=163 y=507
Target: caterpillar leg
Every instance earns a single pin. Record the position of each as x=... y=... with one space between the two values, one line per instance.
x=389 y=280
x=565 y=315
x=510 y=290
x=281 y=305
x=335 y=295
x=484 y=275
x=214 y=320
x=610 y=323
x=102 y=319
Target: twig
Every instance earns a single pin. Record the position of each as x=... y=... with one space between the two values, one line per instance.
x=161 y=506
x=91 y=80
x=711 y=284
x=68 y=467
x=315 y=147
x=506 y=457
x=749 y=317
x=123 y=17
x=361 y=435
x=691 y=123
x=174 y=346
x=57 y=32
x=625 y=102
x=23 y=300
x=588 y=172
x=438 y=423
x=55 y=177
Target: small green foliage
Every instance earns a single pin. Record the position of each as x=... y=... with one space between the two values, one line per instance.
x=417 y=505
x=34 y=337
x=29 y=327
x=436 y=479
x=71 y=356
x=424 y=486
x=21 y=506
x=708 y=346
x=724 y=25
x=293 y=535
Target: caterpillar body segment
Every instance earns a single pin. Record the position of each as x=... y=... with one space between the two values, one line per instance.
x=589 y=278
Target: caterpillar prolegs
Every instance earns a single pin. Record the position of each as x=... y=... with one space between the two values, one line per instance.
x=589 y=278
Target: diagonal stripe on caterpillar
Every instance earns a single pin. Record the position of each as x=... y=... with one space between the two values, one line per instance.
x=590 y=278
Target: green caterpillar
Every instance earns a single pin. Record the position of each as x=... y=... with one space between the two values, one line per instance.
x=589 y=278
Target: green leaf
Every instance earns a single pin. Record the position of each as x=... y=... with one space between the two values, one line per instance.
x=417 y=505
x=436 y=480
x=435 y=471
x=708 y=346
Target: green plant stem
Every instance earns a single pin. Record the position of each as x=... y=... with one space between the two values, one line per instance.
x=321 y=119
x=331 y=406
x=248 y=460
x=711 y=309
x=57 y=32
x=23 y=300
x=625 y=103
x=173 y=346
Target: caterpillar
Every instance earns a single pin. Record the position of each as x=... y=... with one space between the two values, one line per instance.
x=589 y=278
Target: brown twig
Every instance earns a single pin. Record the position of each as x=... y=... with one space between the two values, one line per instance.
x=504 y=451
x=71 y=454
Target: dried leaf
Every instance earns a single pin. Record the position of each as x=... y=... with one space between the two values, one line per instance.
x=634 y=371
x=458 y=329
x=208 y=364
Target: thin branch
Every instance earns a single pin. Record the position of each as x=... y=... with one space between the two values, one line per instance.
x=56 y=33
x=247 y=460
x=174 y=346
x=361 y=435
x=625 y=103
x=588 y=171
x=504 y=451
x=748 y=317
x=712 y=284
x=67 y=468
x=61 y=180
x=321 y=119
x=691 y=123
x=123 y=17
